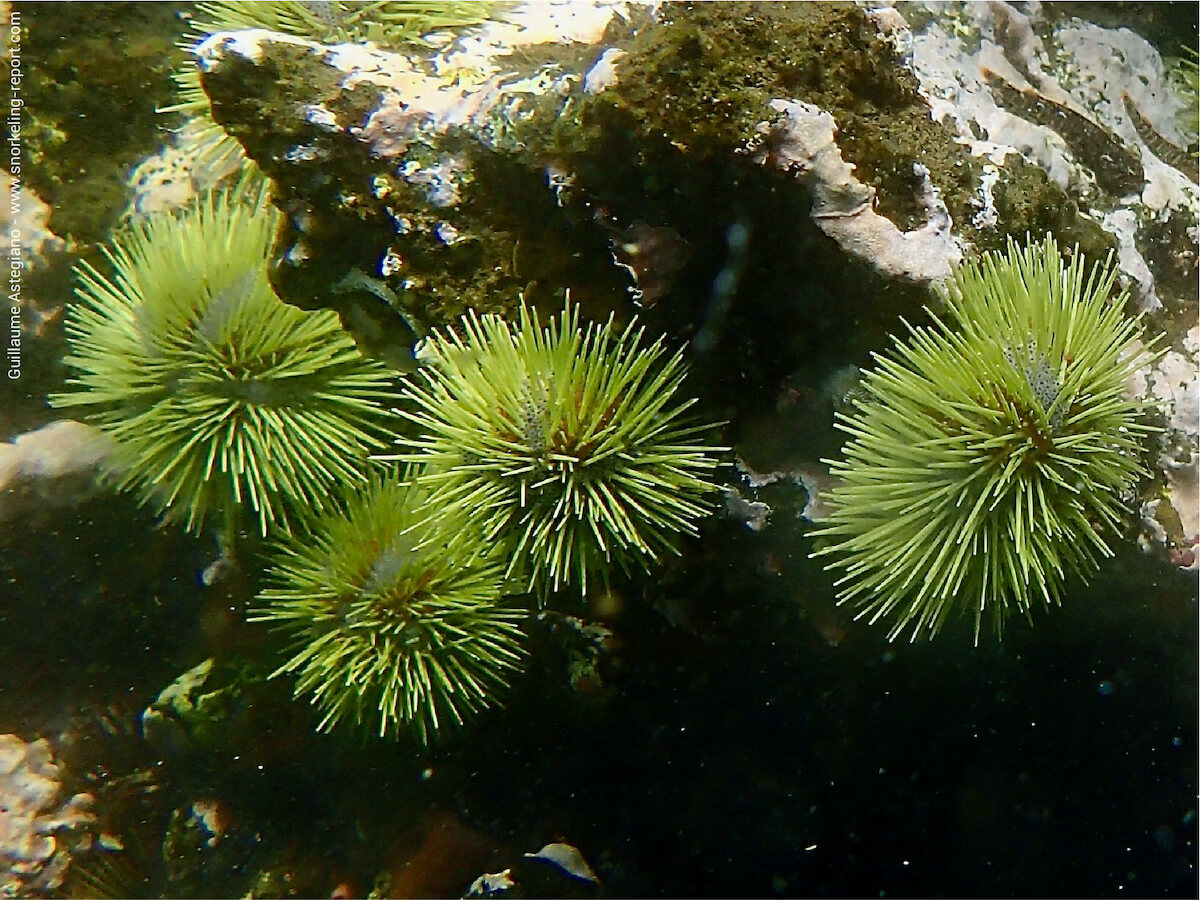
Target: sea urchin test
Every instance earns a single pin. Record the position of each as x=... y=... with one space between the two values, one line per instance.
x=218 y=394
x=394 y=627
x=985 y=464
x=568 y=447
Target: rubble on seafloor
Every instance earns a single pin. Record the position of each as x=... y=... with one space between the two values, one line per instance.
x=40 y=828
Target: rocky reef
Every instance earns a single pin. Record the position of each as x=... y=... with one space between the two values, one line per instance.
x=531 y=156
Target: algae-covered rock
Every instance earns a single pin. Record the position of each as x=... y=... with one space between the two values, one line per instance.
x=610 y=161
x=202 y=707
x=91 y=116
x=755 y=174
x=1063 y=109
x=400 y=213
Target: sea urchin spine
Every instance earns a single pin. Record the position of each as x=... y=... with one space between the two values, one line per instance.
x=393 y=626
x=218 y=394
x=568 y=447
x=988 y=460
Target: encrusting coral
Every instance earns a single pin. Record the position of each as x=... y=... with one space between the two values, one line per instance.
x=216 y=393
x=987 y=462
x=567 y=447
x=395 y=626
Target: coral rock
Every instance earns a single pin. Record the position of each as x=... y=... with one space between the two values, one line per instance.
x=843 y=207
x=38 y=830
x=57 y=465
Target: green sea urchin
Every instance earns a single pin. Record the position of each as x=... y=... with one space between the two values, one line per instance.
x=217 y=392
x=566 y=447
x=987 y=461
x=393 y=626
x=389 y=23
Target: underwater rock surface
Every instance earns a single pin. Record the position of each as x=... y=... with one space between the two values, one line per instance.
x=39 y=827
x=500 y=164
x=488 y=169
x=55 y=466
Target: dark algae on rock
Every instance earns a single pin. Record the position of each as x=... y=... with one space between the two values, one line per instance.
x=1117 y=168
x=722 y=63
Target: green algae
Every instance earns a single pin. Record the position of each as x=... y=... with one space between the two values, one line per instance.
x=92 y=117
x=722 y=63
x=1028 y=202
x=671 y=143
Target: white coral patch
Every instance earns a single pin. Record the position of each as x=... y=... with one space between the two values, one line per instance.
x=1174 y=382
x=804 y=144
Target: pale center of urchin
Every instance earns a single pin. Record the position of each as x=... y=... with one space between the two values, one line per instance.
x=1041 y=376
x=389 y=565
x=535 y=407
x=252 y=391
